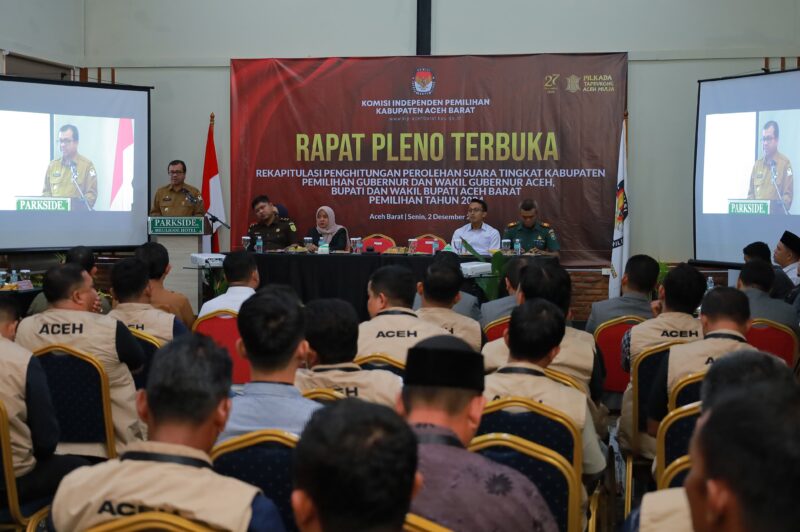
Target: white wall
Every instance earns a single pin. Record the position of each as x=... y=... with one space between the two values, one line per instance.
x=45 y=29
x=183 y=49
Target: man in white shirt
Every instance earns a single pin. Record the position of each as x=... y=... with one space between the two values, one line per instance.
x=787 y=255
x=242 y=275
x=480 y=235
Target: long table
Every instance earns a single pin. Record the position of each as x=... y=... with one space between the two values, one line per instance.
x=337 y=275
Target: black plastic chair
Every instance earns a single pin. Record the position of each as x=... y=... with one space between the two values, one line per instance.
x=264 y=459
x=686 y=391
x=149 y=345
x=674 y=434
x=381 y=361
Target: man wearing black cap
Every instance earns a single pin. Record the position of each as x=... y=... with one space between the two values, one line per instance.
x=442 y=400
x=787 y=255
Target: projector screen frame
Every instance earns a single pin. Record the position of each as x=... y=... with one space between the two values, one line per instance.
x=117 y=86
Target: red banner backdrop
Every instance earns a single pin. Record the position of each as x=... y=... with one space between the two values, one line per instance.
x=398 y=145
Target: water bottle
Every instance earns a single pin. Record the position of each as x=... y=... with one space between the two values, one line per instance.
x=323 y=249
x=259 y=244
x=517 y=246
x=710 y=283
x=14 y=277
x=434 y=247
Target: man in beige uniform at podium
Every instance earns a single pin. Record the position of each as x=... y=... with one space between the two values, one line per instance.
x=71 y=171
x=177 y=198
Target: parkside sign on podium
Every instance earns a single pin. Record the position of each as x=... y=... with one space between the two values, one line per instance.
x=175 y=225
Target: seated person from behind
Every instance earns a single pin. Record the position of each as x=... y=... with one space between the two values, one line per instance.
x=442 y=401
x=725 y=316
x=440 y=292
x=468 y=305
x=355 y=469
x=156 y=257
x=332 y=335
x=781 y=284
x=502 y=307
x=533 y=338
x=481 y=236
x=31 y=417
x=185 y=407
x=83 y=257
x=131 y=288
x=241 y=272
x=69 y=321
x=638 y=281
x=272 y=327
x=393 y=326
x=328 y=231
x=275 y=233
x=755 y=279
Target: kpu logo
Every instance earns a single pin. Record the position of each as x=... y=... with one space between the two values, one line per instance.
x=423 y=81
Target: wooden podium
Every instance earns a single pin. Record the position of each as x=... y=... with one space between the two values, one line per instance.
x=182 y=236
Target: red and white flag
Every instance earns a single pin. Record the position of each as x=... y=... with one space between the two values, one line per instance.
x=620 y=241
x=212 y=191
x=122 y=179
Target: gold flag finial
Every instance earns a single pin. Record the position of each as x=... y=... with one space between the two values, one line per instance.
x=212 y=119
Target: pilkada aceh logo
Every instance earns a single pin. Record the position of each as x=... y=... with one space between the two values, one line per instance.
x=423 y=81
x=573 y=83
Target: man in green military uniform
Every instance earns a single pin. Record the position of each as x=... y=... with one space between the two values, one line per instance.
x=772 y=177
x=72 y=174
x=536 y=237
x=177 y=198
x=276 y=233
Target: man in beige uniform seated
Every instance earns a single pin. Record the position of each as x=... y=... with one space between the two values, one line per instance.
x=534 y=334
x=131 y=288
x=156 y=257
x=31 y=416
x=84 y=257
x=678 y=297
x=440 y=292
x=185 y=407
x=69 y=321
x=394 y=327
x=332 y=335
x=725 y=317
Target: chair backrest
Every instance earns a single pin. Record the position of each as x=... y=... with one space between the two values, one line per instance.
x=497 y=328
x=416 y=523
x=675 y=474
x=149 y=345
x=775 y=338
x=378 y=242
x=563 y=378
x=686 y=390
x=264 y=459
x=79 y=388
x=425 y=243
x=674 y=433
x=552 y=474
x=608 y=337
x=533 y=421
x=643 y=374
x=323 y=395
x=381 y=361
x=149 y=521
x=222 y=328
x=15 y=512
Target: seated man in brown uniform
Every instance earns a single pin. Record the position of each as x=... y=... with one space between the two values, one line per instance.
x=355 y=468
x=131 y=288
x=69 y=321
x=156 y=257
x=185 y=407
x=275 y=233
x=332 y=335
x=442 y=400
x=31 y=416
x=393 y=327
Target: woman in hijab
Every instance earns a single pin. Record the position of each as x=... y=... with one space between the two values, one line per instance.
x=327 y=230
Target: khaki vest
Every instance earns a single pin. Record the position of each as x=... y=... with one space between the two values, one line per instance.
x=698 y=356
x=666 y=509
x=94 y=334
x=376 y=386
x=393 y=332
x=465 y=328
x=146 y=318
x=667 y=327
x=576 y=357
x=92 y=495
x=495 y=355
x=14 y=362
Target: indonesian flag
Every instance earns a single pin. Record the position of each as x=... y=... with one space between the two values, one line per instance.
x=621 y=239
x=122 y=179
x=212 y=191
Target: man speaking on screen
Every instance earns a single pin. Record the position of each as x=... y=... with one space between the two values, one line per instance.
x=772 y=177
x=72 y=175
